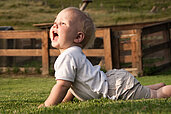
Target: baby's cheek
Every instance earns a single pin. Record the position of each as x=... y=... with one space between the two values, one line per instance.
x=51 y=34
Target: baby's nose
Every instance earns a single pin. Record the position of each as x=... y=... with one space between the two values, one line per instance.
x=55 y=26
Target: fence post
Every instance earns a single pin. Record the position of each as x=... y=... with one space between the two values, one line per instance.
x=166 y=37
x=115 y=44
x=45 y=53
x=107 y=49
x=139 y=52
x=134 y=50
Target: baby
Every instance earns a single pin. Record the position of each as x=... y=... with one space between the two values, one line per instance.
x=76 y=76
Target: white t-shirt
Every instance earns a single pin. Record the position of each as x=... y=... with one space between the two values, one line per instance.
x=88 y=81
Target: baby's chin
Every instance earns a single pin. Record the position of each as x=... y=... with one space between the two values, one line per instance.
x=54 y=45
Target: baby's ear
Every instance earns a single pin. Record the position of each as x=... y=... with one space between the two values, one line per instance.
x=80 y=37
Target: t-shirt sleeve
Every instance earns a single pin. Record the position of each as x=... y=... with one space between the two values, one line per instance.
x=65 y=68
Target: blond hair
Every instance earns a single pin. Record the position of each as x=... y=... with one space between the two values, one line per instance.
x=88 y=27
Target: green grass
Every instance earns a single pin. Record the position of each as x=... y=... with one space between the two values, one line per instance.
x=22 y=94
x=22 y=14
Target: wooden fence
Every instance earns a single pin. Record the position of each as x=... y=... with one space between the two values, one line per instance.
x=130 y=51
x=156 y=45
x=125 y=46
x=43 y=35
x=141 y=43
x=104 y=33
x=45 y=52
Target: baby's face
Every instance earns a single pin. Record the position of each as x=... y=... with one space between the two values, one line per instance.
x=65 y=29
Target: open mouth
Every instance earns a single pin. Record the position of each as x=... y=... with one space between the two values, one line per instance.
x=55 y=35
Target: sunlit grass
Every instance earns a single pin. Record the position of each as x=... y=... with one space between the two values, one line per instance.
x=22 y=94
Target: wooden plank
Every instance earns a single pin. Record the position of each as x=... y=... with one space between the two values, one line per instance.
x=129 y=26
x=113 y=27
x=130 y=69
x=45 y=54
x=125 y=46
x=166 y=36
x=152 y=42
x=127 y=36
x=87 y=52
x=126 y=32
x=20 y=34
x=107 y=48
x=139 y=52
x=154 y=28
x=115 y=44
x=133 y=71
x=157 y=54
x=134 y=51
x=94 y=52
x=165 y=61
x=126 y=59
x=155 y=48
x=99 y=33
x=20 y=52
x=54 y=52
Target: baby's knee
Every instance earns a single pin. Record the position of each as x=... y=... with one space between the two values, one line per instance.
x=164 y=92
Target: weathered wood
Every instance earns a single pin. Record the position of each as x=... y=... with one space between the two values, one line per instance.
x=45 y=54
x=126 y=59
x=107 y=49
x=54 y=52
x=28 y=52
x=133 y=71
x=130 y=39
x=94 y=52
x=127 y=36
x=115 y=51
x=20 y=34
x=20 y=52
x=99 y=33
x=155 y=28
x=156 y=48
x=165 y=61
x=126 y=32
x=129 y=26
x=139 y=52
x=166 y=36
x=125 y=46
x=87 y=52
x=134 y=51
x=113 y=27
x=130 y=69
x=153 y=42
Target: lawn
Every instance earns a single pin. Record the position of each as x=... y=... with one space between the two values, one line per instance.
x=22 y=94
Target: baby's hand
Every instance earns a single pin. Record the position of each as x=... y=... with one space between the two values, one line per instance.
x=41 y=105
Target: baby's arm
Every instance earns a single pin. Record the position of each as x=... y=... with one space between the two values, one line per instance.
x=58 y=93
x=69 y=96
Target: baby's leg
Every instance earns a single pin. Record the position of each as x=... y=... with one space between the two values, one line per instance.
x=163 y=92
x=156 y=86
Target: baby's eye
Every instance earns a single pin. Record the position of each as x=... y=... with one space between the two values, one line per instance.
x=62 y=23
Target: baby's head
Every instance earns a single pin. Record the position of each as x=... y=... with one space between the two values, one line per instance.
x=77 y=27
